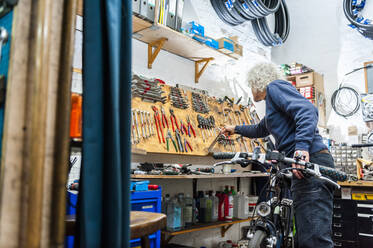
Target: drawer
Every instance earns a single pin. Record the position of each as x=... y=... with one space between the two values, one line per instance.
x=344 y=231
x=344 y=215
x=147 y=205
x=365 y=224
x=345 y=244
x=344 y=204
x=365 y=240
x=365 y=207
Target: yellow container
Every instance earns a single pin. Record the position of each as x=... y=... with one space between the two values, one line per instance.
x=369 y=196
x=358 y=196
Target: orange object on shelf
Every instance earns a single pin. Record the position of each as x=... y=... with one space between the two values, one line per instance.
x=76 y=116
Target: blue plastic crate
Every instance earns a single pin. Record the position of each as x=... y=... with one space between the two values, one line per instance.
x=148 y=201
x=139 y=185
x=71 y=201
x=195 y=28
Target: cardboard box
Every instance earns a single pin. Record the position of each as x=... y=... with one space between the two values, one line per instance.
x=226 y=45
x=310 y=79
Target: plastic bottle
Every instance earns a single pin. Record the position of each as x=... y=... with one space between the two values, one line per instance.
x=215 y=208
x=188 y=211
x=221 y=215
x=201 y=204
x=181 y=200
x=233 y=191
x=246 y=203
x=195 y=211
x=166 y=200
x=237 y=205
x=174 y=215
x=208 y=211
x=229 y=207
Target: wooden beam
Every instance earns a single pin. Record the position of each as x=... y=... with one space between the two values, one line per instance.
x=198 y=73
x=62 y=124
x=153 y=55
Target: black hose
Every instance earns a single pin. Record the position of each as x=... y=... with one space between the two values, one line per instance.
x=352 y=14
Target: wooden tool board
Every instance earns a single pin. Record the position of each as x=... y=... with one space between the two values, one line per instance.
x=199 y=145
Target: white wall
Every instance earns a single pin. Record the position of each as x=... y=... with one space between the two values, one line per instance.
x=313 y=39
x=219 y=80
x=320 y=38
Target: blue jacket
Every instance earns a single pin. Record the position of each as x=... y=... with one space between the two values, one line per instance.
x=290 y=118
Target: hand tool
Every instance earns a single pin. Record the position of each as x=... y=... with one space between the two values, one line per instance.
x=173 y=120
x=187 y=144
x=142 y=125
x=177 y=99
x=133 y=128
x=179 y=142
x=190 y=128
x=137 y=125
x=158 y=124
x=148 y=123
x=244 y=144
x=151 y=124
x=164 y=118
x=199 y=105
x=169 y=136
x=183 y=129
x=214 y=142
x=146 y=126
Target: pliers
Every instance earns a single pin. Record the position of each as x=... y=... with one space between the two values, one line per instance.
x=187 y=144
x=158 y=123
x=183 y=128
x=179 y=142
x=164 y=118
x=169 y=136
x=190 y=128
x=173 y=119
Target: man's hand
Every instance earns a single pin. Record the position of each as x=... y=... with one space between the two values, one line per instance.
x=305 y=157
x=228 y=130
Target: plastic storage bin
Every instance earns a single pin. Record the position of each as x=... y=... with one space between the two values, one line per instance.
x=148 y=201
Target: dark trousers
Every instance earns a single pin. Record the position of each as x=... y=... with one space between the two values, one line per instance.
x=313 y=205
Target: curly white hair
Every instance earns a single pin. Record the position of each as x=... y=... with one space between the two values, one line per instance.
x=261 y=74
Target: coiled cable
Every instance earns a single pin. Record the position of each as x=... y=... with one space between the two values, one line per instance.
x=235 y=12
x=345 y=101
x=353 y=15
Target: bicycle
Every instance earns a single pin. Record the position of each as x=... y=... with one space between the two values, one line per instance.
x=274 y=225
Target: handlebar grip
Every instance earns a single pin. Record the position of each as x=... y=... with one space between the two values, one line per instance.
x=223 y=155
x=333 y=174
x=227 y=155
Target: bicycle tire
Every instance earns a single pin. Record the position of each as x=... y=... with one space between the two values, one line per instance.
x=258 y=239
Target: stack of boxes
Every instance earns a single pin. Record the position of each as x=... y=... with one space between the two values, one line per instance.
x=345 y=158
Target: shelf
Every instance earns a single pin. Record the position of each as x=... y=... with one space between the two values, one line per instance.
x=359 y=183
x=179 y=43
x=224 y=225
x=159 y=36
x=139 y=24
x=233 y=175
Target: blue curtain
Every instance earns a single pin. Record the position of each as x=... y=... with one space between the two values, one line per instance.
x=104 y=204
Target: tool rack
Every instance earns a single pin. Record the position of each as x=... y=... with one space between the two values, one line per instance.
x=223 y=114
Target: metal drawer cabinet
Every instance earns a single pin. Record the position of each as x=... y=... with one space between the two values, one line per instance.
x=344 y=231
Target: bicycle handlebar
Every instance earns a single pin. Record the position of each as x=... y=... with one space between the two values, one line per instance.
x=318 y=169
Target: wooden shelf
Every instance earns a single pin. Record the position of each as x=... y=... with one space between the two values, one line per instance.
x=224 y=225
x=179 y=43
x=359 y=183
x=139 y=24
x=232 y=175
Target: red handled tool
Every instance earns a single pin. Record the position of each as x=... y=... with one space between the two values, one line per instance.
x=164 y=118
x=190 y=128
x=158 y=124
x=173 y=120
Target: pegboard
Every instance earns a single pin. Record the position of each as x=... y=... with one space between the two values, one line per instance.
x=204 y=137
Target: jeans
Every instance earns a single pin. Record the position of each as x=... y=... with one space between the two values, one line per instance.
x=313 y=205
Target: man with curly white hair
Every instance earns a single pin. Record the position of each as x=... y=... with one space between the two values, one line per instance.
x=292 y=120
